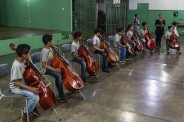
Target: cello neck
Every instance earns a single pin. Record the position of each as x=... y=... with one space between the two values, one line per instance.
x=55 y=50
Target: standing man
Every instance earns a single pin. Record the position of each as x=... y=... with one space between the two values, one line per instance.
x=136 y=24
x=159 y=23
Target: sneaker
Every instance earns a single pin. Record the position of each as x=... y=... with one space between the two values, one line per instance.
x=63 y=100
x=85 y=82
x=120 y=61
x=106 y=70
x=92 y=74
x=127 y=59
x=179 y=52
x=168 y=52
x=124 y=62
x=35 y=112
x=23 y=116
x=110 y=65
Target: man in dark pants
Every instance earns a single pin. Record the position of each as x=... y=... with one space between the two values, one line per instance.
x=159 y=23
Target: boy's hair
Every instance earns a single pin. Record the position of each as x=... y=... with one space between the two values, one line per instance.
x=128 y=27
x=46 y=38
x=22 y=49
x=119 y=30
x=97 y=30
x=77 y=34
x=135 y=15
x=174 y=23
x=144 y=23
x=169 y=27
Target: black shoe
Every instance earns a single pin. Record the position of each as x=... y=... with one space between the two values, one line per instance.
x=179 y=52
x=92 y=74
x=168 y=52
x=62 y=100
x=85 y=82
x=106 y=70
x=110 y=65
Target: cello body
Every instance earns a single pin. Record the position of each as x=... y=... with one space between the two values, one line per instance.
x=34 y=79
x=71 y=80
x=174 y=43
x=91 y=66
x=150 y=44
x=139 y=46
x=111 y=55
x=124 y=41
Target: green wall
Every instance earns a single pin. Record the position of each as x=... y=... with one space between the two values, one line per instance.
x=152 y=15
x=43 y=14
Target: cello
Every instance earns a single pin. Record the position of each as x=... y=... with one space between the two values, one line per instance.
x=124 y=41
x=34 y=78
x=173 y=43
x=91 y=66
x=139 y=46
x=111 y=55
x=150 y=44
x=71 y=80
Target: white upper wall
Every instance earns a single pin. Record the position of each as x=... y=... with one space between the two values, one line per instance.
x=158 y=4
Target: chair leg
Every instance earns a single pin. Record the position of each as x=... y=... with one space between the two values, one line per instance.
x=27 y=111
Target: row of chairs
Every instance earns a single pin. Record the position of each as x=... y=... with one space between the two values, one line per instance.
x=36 y=58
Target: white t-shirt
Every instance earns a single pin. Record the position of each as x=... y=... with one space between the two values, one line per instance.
x=74 y=48
x=46 y=57
x=168 y=34
x=17 y=71
x=96 y=41
x=129 y=34
x=143 y=32
x=117 y=38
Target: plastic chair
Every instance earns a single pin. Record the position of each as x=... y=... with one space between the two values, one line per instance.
x=4 y=71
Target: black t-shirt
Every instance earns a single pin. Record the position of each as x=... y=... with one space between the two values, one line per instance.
x=158 y=22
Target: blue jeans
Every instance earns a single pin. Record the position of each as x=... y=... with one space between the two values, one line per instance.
x=32 y=99
x=83 y=67
x=143 y=41
x=105 y=64
x=123 y=53
x=58 y=82
x=167 y=44
x=133 y=44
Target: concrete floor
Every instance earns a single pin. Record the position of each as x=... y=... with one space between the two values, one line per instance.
x=149 y=89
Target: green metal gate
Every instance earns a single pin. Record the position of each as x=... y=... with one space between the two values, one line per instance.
x=115 y=16
x=85 y=16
